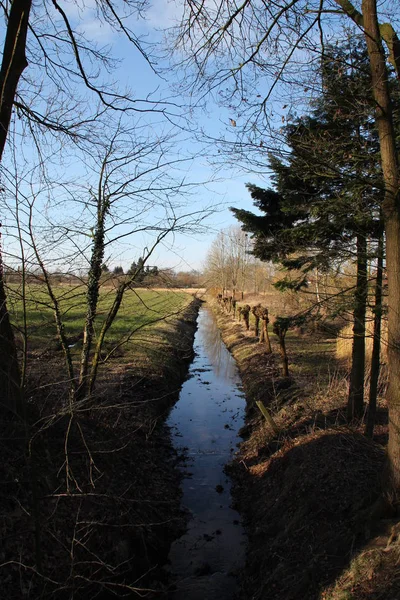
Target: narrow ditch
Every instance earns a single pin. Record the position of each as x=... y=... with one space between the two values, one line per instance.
x=205 y=422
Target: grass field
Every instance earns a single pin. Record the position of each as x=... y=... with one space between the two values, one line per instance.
x=141 y=309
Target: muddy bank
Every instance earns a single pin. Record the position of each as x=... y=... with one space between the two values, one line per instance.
x=306 y=492
x=91 y=508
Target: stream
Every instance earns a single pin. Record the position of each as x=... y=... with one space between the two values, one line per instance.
x=205 y=423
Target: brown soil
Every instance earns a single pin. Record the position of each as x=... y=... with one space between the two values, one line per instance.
x=309 y=494
x=91 y=504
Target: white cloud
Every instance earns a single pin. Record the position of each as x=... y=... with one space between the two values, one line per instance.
x=164 y=13
x=95 y=29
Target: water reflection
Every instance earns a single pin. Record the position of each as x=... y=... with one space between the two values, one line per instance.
x=209 y=335
x=207 y=418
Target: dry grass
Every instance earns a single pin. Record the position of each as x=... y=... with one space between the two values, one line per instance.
x=108 y=490
x=345 y=341
x=306 y=490
x=373 y=573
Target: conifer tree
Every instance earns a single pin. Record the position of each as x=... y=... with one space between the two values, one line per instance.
x=325 y=205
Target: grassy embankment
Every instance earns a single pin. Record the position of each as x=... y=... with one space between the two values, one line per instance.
x=306 y=492
x=92 y=496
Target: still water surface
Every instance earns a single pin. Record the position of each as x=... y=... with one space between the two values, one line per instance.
x=205 y=422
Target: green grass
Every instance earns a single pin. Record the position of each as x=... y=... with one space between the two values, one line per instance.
x=140 y=308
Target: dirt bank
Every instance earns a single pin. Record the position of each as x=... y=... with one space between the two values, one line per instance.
x=305 y=492
x=91 y=503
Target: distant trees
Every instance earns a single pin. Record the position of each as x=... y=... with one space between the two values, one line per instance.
x=216 y=264
x=185 y=279
x=230 y=265
x=142 y=271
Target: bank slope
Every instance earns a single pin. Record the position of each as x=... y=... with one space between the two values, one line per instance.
x=306 y=491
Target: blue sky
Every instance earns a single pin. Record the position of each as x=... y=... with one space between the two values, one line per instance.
x=186 y=252
x=222 y=189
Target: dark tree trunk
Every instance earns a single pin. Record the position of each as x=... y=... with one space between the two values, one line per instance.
x=10 y=390
x=106 y=325
x=13 y=63
x=355 y=406
x=265 y=335
x=256 y=325
x=280 y=329
x=234 y=302
x=246 y=315
x=92 y=298
x=376 y=344
x=285 y=359
x=391 y=216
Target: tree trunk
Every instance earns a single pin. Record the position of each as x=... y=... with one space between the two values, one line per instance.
x=317 y=286
x=106 y=325
x=13 y=63
x=10 y=390
x=246 y=316
x=285 y=359
x=266 y=335
x=57 y=317
x=376 y=345
x=256 y=325
x=355 y=405
x=391 y=216
x=92 y=298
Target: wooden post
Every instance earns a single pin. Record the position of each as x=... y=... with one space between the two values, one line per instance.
x=268 y=417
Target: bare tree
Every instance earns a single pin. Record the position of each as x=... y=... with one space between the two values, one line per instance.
x=58 y=81
x=135 y=191
x=236 y=258
x=230 y=265
x=216 y=264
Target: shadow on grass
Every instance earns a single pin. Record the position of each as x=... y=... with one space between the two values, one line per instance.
x=306 y=511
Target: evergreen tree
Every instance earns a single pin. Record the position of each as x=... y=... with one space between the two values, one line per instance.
x=132 y=268
x=325 y=204
x=140 y=270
